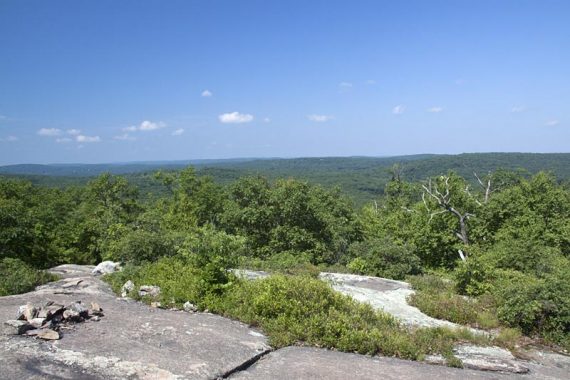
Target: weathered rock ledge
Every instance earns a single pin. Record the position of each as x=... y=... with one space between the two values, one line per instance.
x=139 y=342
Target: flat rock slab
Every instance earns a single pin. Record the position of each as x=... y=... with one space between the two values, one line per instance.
x=386 y=295
x=315 y=363
x=132 y=340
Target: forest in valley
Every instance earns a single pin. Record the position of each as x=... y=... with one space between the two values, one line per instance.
x=488 y=249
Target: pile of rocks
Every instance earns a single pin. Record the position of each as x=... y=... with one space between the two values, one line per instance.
x=45 y=321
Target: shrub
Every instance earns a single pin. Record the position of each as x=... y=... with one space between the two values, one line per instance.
x=538 y=306
x=18 y=277
x=138 y=246
x=383 y=258
x=293 y=310
x=436 y=297
x=294 y=263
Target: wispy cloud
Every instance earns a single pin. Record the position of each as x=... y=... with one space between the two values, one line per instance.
x=399 y=109
x=49 y=132
x=2 y=117
x=87 y=139
x=178 y=132
x=73 y=132
x=207 y=94
x=267 y=120
x=63 y=140
x=435 y=109
x=345 y=85
x=235 y=117
x=460 y=81
x=370 y=82
x=320 y=118
x=145 y=126
x=9 y=139
x=552 y=123
x=517 y=109
x=124 y=137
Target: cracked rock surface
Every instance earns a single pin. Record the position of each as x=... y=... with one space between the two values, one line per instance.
x=135 y=341
x=132 y=341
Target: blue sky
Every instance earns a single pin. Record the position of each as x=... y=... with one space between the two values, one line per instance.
x=108 y=81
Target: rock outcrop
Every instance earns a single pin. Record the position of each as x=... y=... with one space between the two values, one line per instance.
x=136 y=341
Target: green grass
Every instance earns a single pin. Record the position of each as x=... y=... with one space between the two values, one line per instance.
x=17 y=277
x=294 y=310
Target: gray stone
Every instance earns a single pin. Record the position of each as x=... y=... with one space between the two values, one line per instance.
x=149 y=290
x=389 y=296
x=488 y=359
x=106 y=267
x=316 y=363
x=71 y=315
x=131 y=341
x=27 y=312
x=249 y=274
x=127 y=287
x=78 y=308
x=15 y=327
x=189 y=307
x=37 y=322
x=48 y=334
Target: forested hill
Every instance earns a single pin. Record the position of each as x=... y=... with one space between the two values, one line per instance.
x=363 y=178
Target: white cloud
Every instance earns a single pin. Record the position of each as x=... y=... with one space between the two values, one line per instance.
x=87 y=139
x=124 y=137
x=370 y=81
x=267 y=120
x=399 y=109
x=206 y=94
x=178 y=132
x=516 y=109
x=319 y=118
x=435 y=109
x=552 y=123
x=150 y=126
x=73 y=132
x=9 y=139
x=145 y=126
x=235 y=117
x=345 y=84
x=49 y=132
x=63 y=140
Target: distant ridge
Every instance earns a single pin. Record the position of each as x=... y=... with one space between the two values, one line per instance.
x=423 y=164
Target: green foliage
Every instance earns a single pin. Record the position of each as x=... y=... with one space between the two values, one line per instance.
x=18 y=277
x=436 y=298
x=290 y=216
x=383 y=258
x=285 y=262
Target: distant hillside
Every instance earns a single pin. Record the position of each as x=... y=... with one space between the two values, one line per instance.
x=363 y=178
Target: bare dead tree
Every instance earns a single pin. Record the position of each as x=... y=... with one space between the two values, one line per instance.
x=485 y=186
x=443 y=200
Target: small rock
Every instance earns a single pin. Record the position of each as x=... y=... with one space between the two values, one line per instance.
x=37 y=322
x=155 y=304
x=190 y=307
x=105 y=267
x=96 y=309
x=78 y=308
x=52 y=310
x=27 y=312
x=128 y=287
x=149 y=290
x=33 y=332
x=16 y=327
x=48 y=334
x=71 y=315
x=95 y=318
